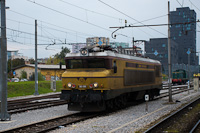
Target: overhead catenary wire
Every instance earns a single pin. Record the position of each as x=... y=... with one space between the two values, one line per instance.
x=30 y=45
x=179 y=3
x=28 y=38
x=184 y=23
x=196 y=8
x=72 y=16
x=47 y=43
x=130 y=17
x=30 y=33
x=194 y=5
x=46 y=27
x=91 y=10
x=49 y=23
x=27 y=33
x=152 y=18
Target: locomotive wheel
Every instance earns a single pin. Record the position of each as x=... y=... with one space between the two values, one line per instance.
x=121 y=101
x=110 y=105
x=124 y=101
x=116 y=103
x=101 y=103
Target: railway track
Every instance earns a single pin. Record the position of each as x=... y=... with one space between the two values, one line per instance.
x=183 y=120
x=175 y=91
x=52 y=124
x=25 y=104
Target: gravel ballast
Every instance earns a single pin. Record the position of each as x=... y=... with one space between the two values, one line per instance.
x=34 y=116
x=128 y=120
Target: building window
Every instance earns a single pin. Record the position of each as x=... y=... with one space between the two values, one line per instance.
x=174 y=38
x=178 y=25
x=151 y=49
x=188 y=28
x=163 y=45
x=180 y=32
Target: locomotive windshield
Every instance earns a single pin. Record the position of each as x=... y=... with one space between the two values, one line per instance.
x=85 y=63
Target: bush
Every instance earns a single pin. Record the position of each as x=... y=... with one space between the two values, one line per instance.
x=40 y=77
x=23 y=75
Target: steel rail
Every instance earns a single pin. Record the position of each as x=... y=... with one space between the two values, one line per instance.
x=195 y=127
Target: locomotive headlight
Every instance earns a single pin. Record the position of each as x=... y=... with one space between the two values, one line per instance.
x=69 y=85
x=95 y=85
x=84 y=52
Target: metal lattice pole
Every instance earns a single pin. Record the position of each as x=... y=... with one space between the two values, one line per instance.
x=169 y=56
x=36 y=73
x=3 y=63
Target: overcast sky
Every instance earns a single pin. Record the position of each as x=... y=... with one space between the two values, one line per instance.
x=75 y=20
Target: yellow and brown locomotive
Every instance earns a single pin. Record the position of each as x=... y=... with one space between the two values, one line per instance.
x=96 y=81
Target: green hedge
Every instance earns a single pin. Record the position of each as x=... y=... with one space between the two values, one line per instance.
x=28 y=88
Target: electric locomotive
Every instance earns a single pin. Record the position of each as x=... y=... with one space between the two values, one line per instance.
x=102 y=79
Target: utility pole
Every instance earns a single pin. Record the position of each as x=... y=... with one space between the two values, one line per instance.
x=169 y=56
x=188 y=52
x=36 y=73
x=3 y=63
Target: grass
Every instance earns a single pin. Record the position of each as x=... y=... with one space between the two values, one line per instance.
x=15 y=89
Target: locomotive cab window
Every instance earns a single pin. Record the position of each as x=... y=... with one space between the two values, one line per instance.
x=86 y=63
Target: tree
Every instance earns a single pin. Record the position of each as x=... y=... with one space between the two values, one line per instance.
x=32 y=61
x=15 y=63
x=60 y=56
x=50 y=61
x=40 y=77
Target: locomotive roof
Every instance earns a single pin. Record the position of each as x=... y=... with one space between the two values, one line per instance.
x=114 y=54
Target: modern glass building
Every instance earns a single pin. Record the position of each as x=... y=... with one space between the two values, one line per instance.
x=157 y=48
x=183 y=39
x=184 y=34
x=12 y=53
